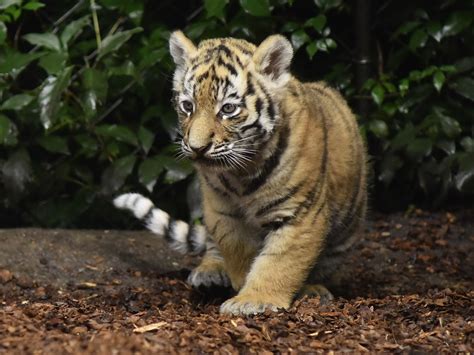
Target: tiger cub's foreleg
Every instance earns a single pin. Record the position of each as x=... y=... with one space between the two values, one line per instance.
x=282 y=266
x=211 y=270
x=235 y=240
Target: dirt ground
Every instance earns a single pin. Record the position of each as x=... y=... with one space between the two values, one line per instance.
x=408 y=288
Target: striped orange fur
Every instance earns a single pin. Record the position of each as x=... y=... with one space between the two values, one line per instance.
x=282 y=169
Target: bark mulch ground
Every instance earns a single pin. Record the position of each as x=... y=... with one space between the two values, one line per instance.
x=408 y=288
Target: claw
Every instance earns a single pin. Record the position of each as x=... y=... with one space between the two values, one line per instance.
x=235 y=306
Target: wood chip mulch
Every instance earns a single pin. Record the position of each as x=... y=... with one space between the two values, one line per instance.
x=408 y=288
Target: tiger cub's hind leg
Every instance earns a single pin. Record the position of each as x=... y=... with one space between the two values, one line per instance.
x=211 y=271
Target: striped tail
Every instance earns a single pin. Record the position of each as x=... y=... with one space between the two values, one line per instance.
x=179 y=234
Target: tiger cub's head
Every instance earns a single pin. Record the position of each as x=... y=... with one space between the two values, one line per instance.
x=226 y=93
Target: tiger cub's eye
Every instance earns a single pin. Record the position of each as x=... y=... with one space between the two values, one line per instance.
x=187 y=106
x=228 y=109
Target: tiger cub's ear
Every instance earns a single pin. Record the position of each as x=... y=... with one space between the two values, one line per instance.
x=181 y=48
x=273 y=58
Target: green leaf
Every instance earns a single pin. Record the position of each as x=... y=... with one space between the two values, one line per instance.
x=16 y=173
x=378 y=94
x=405 y=28
x=457 y=22
x=330 y=43
x=256 y=7
x=118 y=132
x=419 y=148
x=4 y=128
x=290 y=26
x=390 y=164
x=13 y=63
x=299 y=38
x=215 y=8
x=317 y=22
x=96 y=81
x=177 y=170
x=418 y=39
x=327 y=4
x=449 y=125
x=465 y=64
x=389 y=87
x=448 y=146
x=46 y=40
x=17 y=102
x=434 y=30
x=468 y=144
x=88 y=144
x=7 y=3
x=146 y=138
x=54 y=144
x=403 y=137
x=438 y=80
x=464 y=86
x=33 y=5
x=150 y=169
x=464 y=179
x=74 y=29
x=53 y=62
x=49 y=97
x=113 y=42
x=114 y=176
x=311 y=49
x=379 y=128
x=8 y=132
x=3 y=32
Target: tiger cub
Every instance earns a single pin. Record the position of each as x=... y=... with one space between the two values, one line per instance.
x=282 y=169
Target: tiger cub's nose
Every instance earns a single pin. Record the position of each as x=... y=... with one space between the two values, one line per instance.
x=202 y=149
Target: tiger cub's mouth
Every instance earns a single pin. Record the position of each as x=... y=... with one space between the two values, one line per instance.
x=225 y=155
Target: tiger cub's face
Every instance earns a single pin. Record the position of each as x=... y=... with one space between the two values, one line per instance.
x=226 y=93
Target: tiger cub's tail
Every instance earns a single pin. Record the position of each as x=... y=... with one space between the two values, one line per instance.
x=179 y=234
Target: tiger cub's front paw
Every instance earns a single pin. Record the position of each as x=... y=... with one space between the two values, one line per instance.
x=208 y=275
x=247 y=305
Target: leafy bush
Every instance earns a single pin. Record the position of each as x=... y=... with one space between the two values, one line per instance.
x=85 y=91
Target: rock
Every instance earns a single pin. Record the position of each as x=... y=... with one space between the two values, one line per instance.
x=5 y=276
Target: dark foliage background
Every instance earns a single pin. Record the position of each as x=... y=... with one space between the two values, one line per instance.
x=85 y=96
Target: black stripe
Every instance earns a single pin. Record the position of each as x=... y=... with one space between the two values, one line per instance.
x=256 y=124
x=280 y=200
x=275 y=225
x=351 y=212
x=258 y=106
x=169 y=230
x=319 y=210
x=213 y=230
x=242 y=48
x=239 y=62
x=228 y=66
x=149 y=214
x=227 y=184
x=215 y=188
x=189 y=239
x=270 y=164
x=270 y=105
x=235 y=215
x=202 y=77
x=315 y=191
x=135 y=200
x=219 y=240
x=250 y=88
x=334 y=104
x=225 y=49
